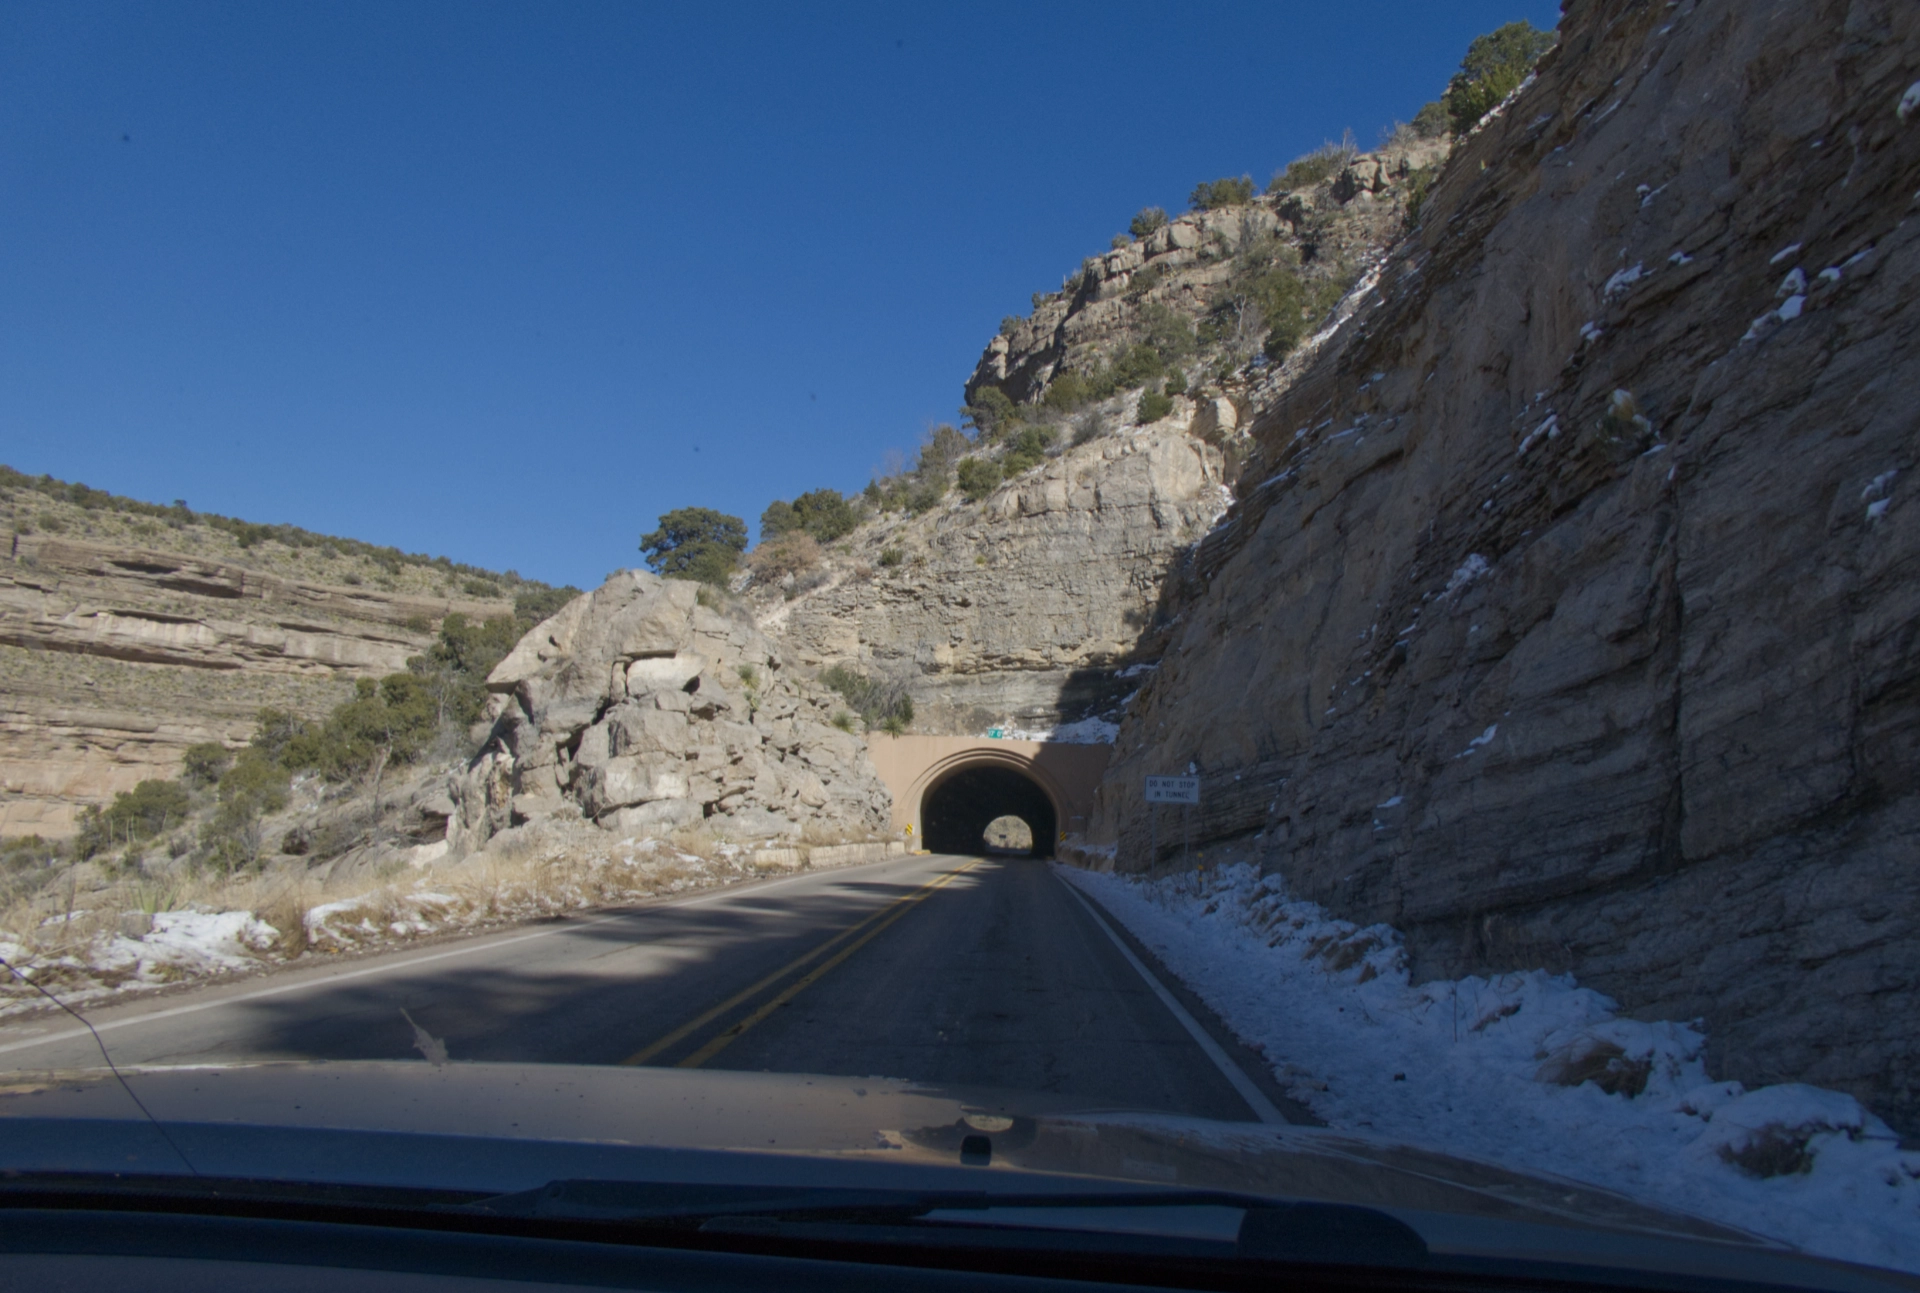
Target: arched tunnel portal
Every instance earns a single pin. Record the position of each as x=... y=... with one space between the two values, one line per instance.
x=1049 y=785
x=956 y=810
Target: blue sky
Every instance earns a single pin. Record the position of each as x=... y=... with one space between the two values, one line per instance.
x=505 y=282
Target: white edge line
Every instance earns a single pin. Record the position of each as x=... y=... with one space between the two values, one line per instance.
x=476 y=945
x=1263 y=1108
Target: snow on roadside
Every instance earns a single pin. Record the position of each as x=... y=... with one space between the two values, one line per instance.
x=1528 y=1070
x=187 y=942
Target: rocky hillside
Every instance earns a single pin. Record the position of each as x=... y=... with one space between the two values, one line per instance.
x=1026 y=600
x=1566 y=611
x=129 y=632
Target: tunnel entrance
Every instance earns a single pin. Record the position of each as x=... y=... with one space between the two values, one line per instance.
x=955 y=814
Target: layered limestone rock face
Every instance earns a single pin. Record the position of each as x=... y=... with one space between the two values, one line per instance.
x=1020 y=610
x=1571 y=615
x=115 y=659
x=645 y=711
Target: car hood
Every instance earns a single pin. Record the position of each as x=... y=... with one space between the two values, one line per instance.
x=513 y=1127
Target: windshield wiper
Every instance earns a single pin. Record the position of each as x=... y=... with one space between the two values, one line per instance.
x=1267 y=1230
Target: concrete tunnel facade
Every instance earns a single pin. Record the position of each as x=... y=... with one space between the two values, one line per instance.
x=942 y=786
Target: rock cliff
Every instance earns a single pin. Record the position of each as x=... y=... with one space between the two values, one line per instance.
x=118 y=651
x=642 y=709
x=1566 y=614
x=1021 y=610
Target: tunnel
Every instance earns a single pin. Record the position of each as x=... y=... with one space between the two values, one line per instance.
x=955 y=813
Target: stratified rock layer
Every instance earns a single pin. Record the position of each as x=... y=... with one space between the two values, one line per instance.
x=1019 y=610
x=114 y=659
x=1572 y=617
x=642 y=709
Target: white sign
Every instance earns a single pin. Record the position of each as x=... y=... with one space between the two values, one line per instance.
x=1173 y=790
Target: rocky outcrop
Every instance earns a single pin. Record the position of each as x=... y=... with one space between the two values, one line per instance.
x=644 y=710
x=1021 y=610
x=1331 y=228
x=1568 y=615
x=116 y=658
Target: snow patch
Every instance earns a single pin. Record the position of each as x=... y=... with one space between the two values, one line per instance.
x=1783 y=253
x=1621 y=281
x=1087 y=731
x=1474 y=567
x=1909 y=102
x=1484 y=739
x=1549 y=429
x=187 y=942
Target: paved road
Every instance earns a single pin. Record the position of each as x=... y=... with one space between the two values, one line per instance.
x=941 y=969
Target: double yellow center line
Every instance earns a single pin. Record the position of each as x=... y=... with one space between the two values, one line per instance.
x=872 y=925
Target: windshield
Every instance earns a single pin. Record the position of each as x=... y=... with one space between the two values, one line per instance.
x=1319 y=582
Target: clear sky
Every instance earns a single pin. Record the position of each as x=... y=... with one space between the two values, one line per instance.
x=505 y=282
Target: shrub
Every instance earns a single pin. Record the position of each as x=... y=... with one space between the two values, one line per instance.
x=1212 y=195
x=1120 y=240
x=891 y=557
x=480 y=588
x=825 y=514
x=877 y=701
x=1168 y=332
x=1153 y=407
x=389 y=721
x=991 y=411
x=944 y=446
x=1146 y=221
x=787 y=554
x=134 y=815
x=977 y=477
x=254 y=785
x=1145 y=281
x=1028 y=449
x=202 y=764
x=843 y=720
x=1009 y=324
x=1090 y=427
x=926 y=493
x=1066 y=392
x=252 y=788
x=1177 y=383
x=1418 y=183
x=777 y=520
x=1431 y=121
x=696 y=543
x=454 y=669
x=1311 y=168
x=538 y=602
x=1495 y=65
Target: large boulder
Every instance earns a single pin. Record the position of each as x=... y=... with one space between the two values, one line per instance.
x=643 y=709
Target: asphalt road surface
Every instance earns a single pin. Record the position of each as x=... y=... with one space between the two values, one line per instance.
x=941 y=969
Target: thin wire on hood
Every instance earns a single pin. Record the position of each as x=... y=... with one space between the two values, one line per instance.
x=111 y=1066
